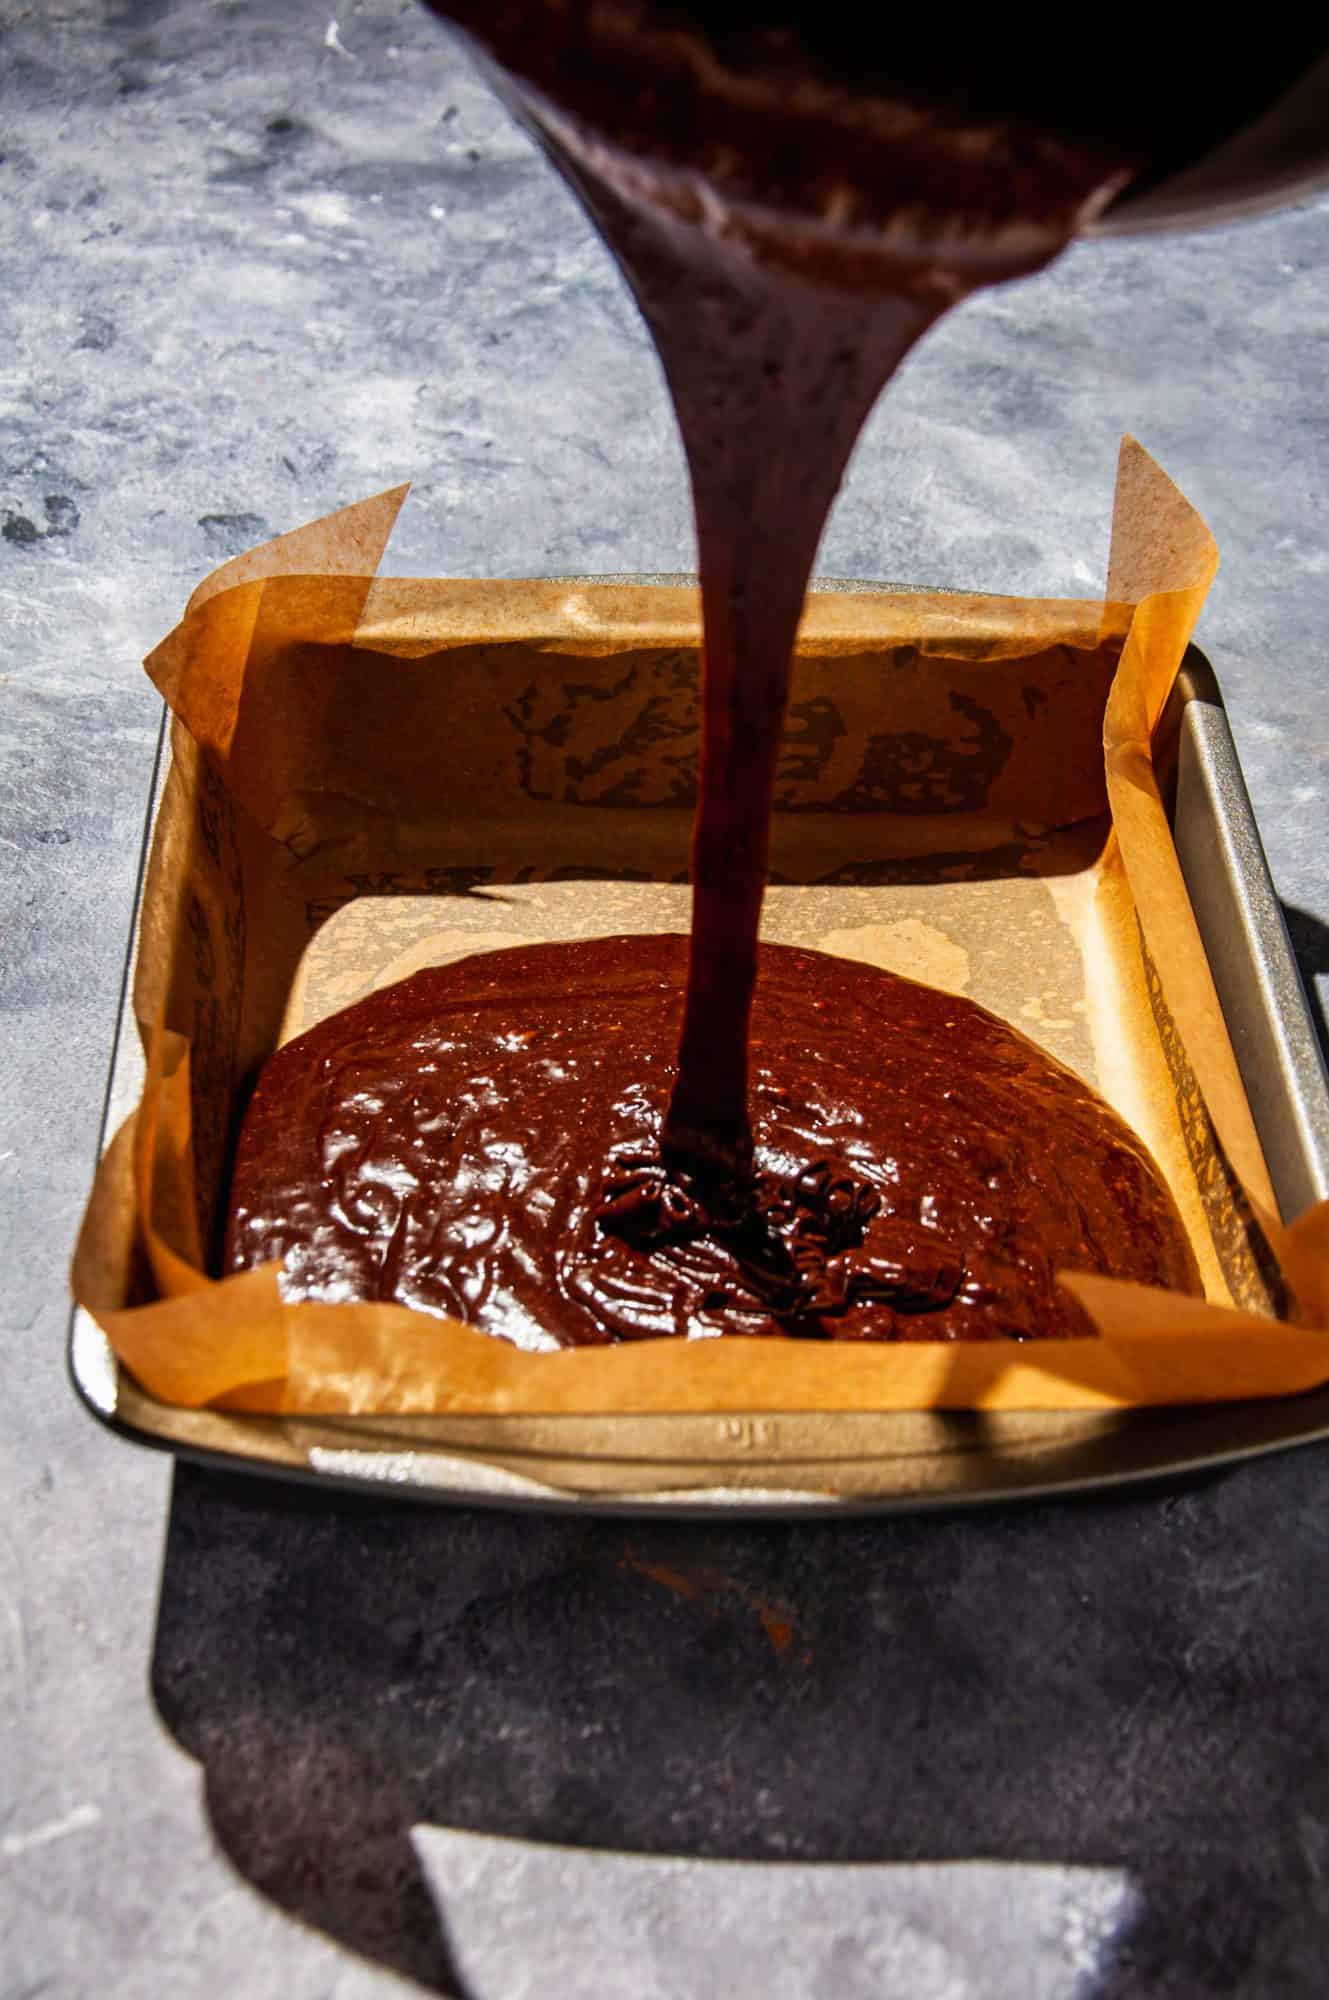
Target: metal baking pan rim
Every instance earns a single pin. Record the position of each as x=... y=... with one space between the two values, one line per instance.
x=428 y=1475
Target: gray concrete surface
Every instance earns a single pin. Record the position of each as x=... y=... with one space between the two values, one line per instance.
x=254 y=1744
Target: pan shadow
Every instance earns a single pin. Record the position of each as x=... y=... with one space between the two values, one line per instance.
x=1310 y=948
x=1139 y=1683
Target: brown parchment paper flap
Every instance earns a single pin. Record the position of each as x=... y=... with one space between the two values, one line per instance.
x=234 y=1343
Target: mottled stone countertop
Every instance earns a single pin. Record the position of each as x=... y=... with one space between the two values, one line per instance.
x=260 y=1744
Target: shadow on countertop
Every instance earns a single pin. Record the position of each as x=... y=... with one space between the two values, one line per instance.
x=1140 y=1683
x=1310 y=948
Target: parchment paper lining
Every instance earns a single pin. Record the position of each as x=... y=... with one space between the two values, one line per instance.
x=370 y=775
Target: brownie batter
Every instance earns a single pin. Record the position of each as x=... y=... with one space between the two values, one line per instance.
x=789 y=227
x=482 y=1141
x=512 y=1140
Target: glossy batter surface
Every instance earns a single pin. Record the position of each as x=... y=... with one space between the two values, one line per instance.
x=482 y=1141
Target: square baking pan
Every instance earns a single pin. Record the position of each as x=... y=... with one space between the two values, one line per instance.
x=795 y=1463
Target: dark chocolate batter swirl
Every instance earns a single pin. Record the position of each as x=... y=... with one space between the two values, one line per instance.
x=483 y=1141
x=511 y=1140
x=789 y=228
